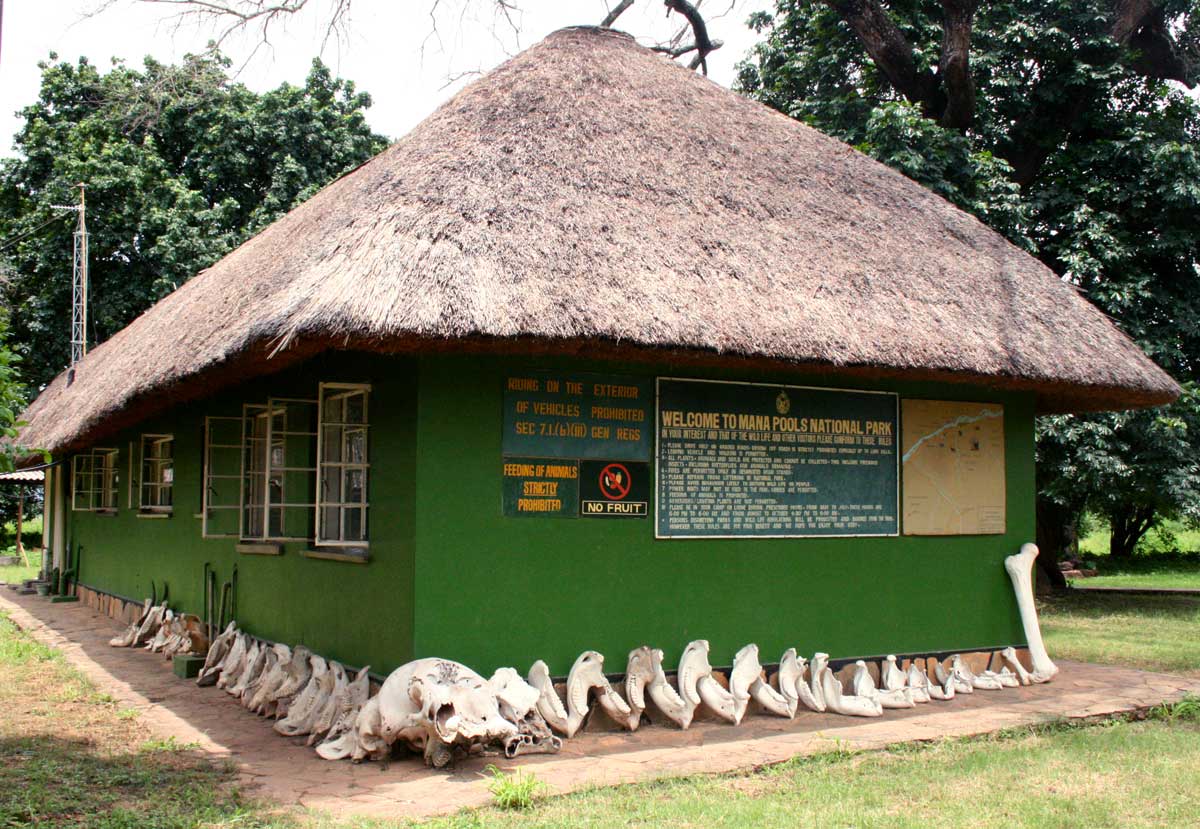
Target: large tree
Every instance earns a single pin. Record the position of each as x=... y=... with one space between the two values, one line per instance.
x=1064 y=125
x=181 y=164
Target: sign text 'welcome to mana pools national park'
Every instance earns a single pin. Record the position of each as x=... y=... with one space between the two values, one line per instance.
x=748 y=459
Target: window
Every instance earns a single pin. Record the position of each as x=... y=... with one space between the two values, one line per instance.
x=221 y=506
x=158 y=473
x=342 y=453
x=94 y=481
x=254 y=472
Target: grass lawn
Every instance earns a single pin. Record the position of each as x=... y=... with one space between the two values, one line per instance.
x=19 y=572
x=92 y=765
x=1157 y=633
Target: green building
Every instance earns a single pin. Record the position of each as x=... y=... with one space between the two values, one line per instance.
x=599 y=355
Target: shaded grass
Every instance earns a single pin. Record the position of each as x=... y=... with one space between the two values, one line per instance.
x=1146 y=571
x=69 y=758
x=19 y=572
x=1155 y=633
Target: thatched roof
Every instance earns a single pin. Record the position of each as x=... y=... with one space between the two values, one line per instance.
x=592 y=195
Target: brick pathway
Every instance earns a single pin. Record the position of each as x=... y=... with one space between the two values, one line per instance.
x=286 y=771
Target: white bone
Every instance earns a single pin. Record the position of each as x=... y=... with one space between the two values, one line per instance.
x=295 y=676
x=272 y=675
x=215 y=657
x=1009 y=655
x=125 y=639
x=234 y=662
x=918 y=683
x=746 y=683
x=864 y=686
x=277 y=657
x=513 y=693
x=588 y=673
x=161 y=631
x=892 y=678
x=790 y=673
x=693 y=664
x=746 y=669
x=665 y=698
x=943 y=689
x=953 y=679
x=1005 y=677
x=639 y=673
x=981 y=681
x=696 y=682
x=548 y=704
x=302 y=706
x=1020 y=570
x=327 y=713
x=253 y=662
x=845 y=704
x=348 y=704
x=819 y=662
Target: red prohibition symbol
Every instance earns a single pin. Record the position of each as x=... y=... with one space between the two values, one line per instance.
x=614 y=481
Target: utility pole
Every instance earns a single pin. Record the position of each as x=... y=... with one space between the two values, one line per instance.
x=79 y=277
x=79 y=283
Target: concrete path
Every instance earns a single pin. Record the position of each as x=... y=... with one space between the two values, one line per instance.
x=286 y=771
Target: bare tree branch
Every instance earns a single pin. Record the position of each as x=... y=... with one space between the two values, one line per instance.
x=614 y=13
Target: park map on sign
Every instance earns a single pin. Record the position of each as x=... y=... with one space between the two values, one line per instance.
x=953 y=466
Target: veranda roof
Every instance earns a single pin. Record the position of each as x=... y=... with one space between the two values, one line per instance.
x=592 y=196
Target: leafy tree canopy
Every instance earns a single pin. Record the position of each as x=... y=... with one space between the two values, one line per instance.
x=1064 y=125
x=181 y=164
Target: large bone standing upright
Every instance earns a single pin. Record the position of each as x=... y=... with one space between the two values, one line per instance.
x=1020 y=570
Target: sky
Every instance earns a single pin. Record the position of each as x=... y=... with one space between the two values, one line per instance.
x=390 y=50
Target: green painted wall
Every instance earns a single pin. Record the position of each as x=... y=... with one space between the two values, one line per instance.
x=360 y=614
x=449 y=576
x=494 y=591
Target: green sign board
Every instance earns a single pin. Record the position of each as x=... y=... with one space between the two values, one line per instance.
x=541 y=487
x=574 y=415
x=746 y=459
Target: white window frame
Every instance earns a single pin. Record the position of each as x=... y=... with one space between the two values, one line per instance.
x=340 y=540
x=206 y=508
x=276 y=406
x=144 y=478
x=103 y=485
x=250 y=413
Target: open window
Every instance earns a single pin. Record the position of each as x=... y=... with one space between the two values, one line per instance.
x=94 y=483
x=342 y=467
x=158 y=474
x=221 y=506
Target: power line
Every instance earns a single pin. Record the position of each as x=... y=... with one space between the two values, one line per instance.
x=10 y=242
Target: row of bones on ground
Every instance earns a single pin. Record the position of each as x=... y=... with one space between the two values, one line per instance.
x=445 y=709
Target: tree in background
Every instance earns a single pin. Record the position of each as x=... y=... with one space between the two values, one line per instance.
x=181 y=165
x=1063 y=125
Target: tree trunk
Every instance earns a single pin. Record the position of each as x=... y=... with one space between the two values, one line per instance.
x=20 y=523
x=1129 y=524
x=1055 y=534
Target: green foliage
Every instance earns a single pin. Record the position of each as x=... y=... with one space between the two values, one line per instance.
x=181 y=165
x=12 y=401
x=513 y=791
x=1073 y=154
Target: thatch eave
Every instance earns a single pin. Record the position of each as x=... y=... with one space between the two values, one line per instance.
x=266 y=358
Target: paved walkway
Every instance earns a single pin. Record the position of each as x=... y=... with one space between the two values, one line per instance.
x=286 y=771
